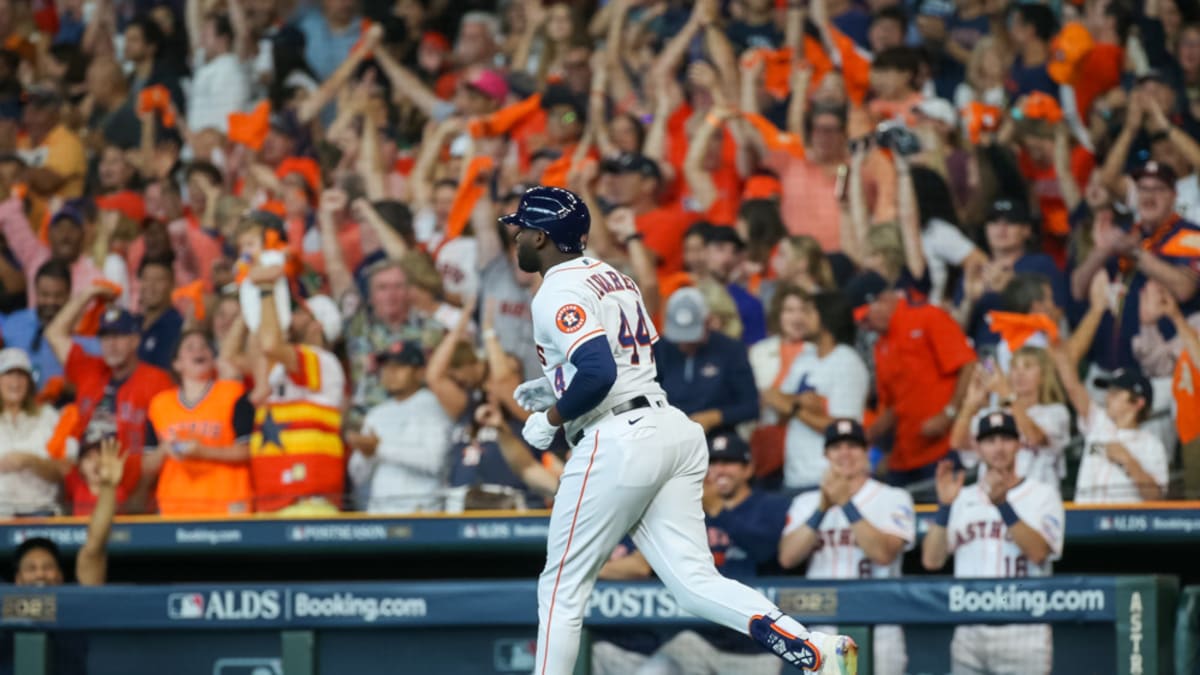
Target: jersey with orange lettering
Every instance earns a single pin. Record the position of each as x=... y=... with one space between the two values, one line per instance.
x=981 y=543
x=222 y=418
x=838 y=555
x=296 y=449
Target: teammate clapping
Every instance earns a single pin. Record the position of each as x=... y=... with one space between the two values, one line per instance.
x=853 y=527
x=999 y=527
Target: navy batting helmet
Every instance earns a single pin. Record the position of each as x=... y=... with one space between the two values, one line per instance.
x=560 y=213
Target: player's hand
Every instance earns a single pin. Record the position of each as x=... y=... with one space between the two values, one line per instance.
x=538 y=431
x=995 y=485
x=535 y=395
x=949 y=481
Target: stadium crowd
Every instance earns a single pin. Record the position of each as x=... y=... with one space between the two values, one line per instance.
x=257 y=241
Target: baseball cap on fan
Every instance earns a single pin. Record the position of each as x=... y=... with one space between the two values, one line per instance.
x=728 y=447
x=632 y=162
x=1157 y=171
x=687 y=316
x=117 y=321
x=13 y=358
x=325 y=311
x=489 y=83
x=997 y=423
x=1010 y=211
x=1131 y=381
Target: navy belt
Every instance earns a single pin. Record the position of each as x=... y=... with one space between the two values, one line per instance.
x=632 y=404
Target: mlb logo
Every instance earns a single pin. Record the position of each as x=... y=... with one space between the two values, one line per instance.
x=185 y=606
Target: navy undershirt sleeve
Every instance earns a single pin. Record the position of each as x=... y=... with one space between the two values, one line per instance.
x=595 y=373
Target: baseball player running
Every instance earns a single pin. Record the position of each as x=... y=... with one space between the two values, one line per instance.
x=637 y=465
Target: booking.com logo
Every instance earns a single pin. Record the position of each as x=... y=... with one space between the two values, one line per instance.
x=1033 y=602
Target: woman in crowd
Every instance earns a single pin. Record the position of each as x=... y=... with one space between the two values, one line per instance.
x=771 y=359
x=29 y=475
x=1032 y=394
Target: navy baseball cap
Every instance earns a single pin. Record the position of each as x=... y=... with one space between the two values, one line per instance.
x=1158 y=171
x=722 y=234
x=997 y=424
x=632 y=162
x=865 y=288
x=1131 y=381
x=402 y=354
x=1010 y=211
x=117 y=321
x=559 y=213
x=845 y=429
x=728 y=447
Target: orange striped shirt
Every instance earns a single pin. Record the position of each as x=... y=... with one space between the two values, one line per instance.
x=296 y=449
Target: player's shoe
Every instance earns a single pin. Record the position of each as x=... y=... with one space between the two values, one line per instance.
x=820 y=653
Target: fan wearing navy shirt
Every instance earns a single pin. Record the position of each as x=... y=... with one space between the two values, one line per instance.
x=1161 y=246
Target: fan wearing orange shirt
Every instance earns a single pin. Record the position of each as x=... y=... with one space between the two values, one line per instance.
x=202 y=431
x=114 y=388
x=1035 y=161
x=636 y=182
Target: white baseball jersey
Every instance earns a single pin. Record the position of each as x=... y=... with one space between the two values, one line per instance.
x=1045 y=463
x=981 y=543
x=1103 y=482
x=582 y=299
x=837 y=555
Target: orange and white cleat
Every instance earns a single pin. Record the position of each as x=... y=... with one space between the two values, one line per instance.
x=821 y=653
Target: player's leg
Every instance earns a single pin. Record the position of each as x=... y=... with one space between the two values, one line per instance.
x=594 y=508
x=968 y=651
x=889 y=653
x=673 y=538
x=1021 y=649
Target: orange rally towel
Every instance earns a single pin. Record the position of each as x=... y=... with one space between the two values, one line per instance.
x=1187 y=398
x=250 y=129
x=855 y=68
x=775 y=139
x=981 y=118
x=89 y=323
x=1016 y=329
x=156 y=98
x=504 y=119
x=469 y=192
x=777 y=69
x=194 y=292
x=68 y=422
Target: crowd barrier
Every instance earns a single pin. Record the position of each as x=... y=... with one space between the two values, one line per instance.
x=490 y=531
x=1118 y=625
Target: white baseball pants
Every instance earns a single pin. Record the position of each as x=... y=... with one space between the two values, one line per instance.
x=640 y=473
x=1016 y=649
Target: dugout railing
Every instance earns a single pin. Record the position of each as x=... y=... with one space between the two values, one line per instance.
x=1121 y=625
